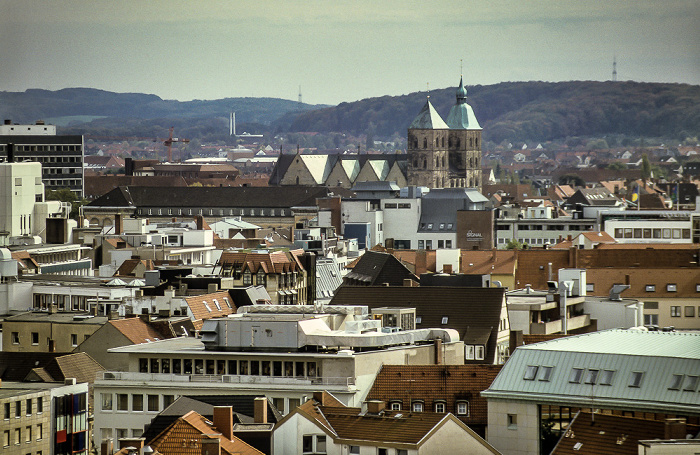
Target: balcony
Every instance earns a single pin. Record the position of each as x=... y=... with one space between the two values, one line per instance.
x=547 y=328
x=210 y=379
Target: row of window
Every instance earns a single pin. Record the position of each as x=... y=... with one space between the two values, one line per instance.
x=428 y=244
x=440 y=406
x=689 y=311
x=685 y=382
x=402 y=205
x=591 y=376
x=48 y=148
x=317 y=445
x=651 y=233
x=64 y=182
x=28 y=435
x=217 y=304
x=136 y=403
x=441 y=226
x=229 y=367
x=62 y=301
x=31 y=405
x=15 y=338
x=215 y=212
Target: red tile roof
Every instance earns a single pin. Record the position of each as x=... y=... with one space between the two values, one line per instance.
x=208 y=306
x=135 y=330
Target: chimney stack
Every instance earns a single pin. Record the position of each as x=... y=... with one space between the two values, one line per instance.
x=438 y=351
x=319 y=397
x=118 y=224
x=375 y=406
x=260 y=410
x=675 y=428
x=223 y=421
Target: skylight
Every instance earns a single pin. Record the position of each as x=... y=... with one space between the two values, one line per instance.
x=691 y=383
x=227 y=302
x=216 y=302
x=546 y=373
x=592 y=376
x=676 y=382
x=530 y=373
x=606 y=377
x=206 y=305
x=636 y=379
x=575 y=376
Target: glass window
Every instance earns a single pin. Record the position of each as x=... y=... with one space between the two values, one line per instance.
x=35 y=338
x=691 y=383
x=122 y=402
x=417 y=406
x=106 y=401
x=307 y=444
x=650 y=288
x=354 y=450
x=198 y=366
x=255 y=368
x=320 y=444
x=676 y=381
x=462 y=408
x=445 y=319
x=395 y=405
x=479 y=352
x=671 y=287
x=29 y=407
x=675 y=311
x=530 y=372
x=137 y=402
x=592 y=376
x=636 y=379
x=606 y=377
x=165 y=365
x=153 y=403
x=40 y=405
x=546 y=373
x=243 y=365
x=575 y=376
x=689 y=311
x=168 y=400
x=440 y=407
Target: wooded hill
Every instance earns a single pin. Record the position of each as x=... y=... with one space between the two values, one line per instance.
x=531 y=111
x=509 y=111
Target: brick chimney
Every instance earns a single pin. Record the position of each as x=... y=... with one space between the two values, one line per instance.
x=674 y=428
x=199 y=219
x=223 y=421
x=260 y=410
x=118 y=224
x=375 y=406
x=320 y=397
x=438 y=351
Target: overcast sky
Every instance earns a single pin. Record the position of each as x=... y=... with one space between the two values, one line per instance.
x=339 y=50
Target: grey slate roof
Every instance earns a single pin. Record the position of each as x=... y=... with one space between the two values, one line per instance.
x=375 y=267
x=428 y=119
x=328 y=277
x=658 y=356
x=474 y=312
x=144 y=196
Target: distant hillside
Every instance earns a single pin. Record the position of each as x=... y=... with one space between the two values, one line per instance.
x=134 y=114
x=530 y=111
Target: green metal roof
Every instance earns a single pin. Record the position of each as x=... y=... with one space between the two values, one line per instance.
x=461 y=115
x=428 y=119
x=658 y=356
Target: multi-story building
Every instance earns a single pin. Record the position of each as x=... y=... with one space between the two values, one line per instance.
x=631 y=372
x=46 y=332
x=650 y=226
x=44 y=418
x=61 y=156
x=539 y=226
x=285 y=353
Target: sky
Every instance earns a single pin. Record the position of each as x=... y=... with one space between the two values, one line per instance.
x=339 y=51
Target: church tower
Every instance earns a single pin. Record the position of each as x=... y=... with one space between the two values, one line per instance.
x=464 y=142
x=427 y=149
x=445 y=154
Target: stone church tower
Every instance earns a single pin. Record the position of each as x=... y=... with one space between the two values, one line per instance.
x=445 y=155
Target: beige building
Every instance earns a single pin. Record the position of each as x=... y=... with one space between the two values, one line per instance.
x=47 y=332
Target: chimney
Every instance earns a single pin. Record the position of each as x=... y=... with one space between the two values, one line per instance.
x=674 y=428
x=319 y=396
x=70 y=381
x=493 y=255
x=438 y=351
x=260 y=410
x=515 y=340
x=118 y=224
x=211 y=446
x=223 y=420
x=199 y=219
x=135 y=443
x=212 y=287
x=107 y=447
x=375 y=406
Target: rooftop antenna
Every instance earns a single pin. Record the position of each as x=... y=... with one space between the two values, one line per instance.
x=300 y=94
x=614 y=75
x=461 y=67
x=428 y=87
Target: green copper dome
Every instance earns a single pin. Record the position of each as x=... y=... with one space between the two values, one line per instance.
x=461 y=115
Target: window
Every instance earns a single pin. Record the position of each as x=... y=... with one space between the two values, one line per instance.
x=546 y=373
x=122 y=402
x=448 y=243
x=401 y=452
x=168 y=400
x=575 y=376
x=7 y=411
x=39 y=405
x=530 y=373
x=445 y=319
x=512 y=421
x=429 y=244
x=28 y=434
x=153 y=403
x=247 y=277
x=651 y=319
x=6 y=438
x=650 y=288
x=74 y=339
x=675 y=311
x=419 y=319
x=39 y=432
x=354 y=449
x=463 y=408
x=592 y=376
x=421 y=246
x=18 y=409
x=417 y=406
x=29 y=406
x=395 y=405
x=440 y=407
x=606 y=377
x=636 y=379
x=479 y=352
x=15 y=337
x=691 y=383
x=307 y=444
x=690 y=312
x=206 y=305
x=676 y=381
x=590 y=287
x=671 y=287
x=35 y=338
x=137 y=402
x=382 y=451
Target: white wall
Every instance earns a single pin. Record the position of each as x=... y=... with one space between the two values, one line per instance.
x=20 y=183
x=519 y=439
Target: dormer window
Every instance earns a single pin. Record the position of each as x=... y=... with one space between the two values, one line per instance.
x=247 y=277
x=671 y=287
x=462 y=408
x=216 y=302
x=650 y=288
x=395 y=405
x=417 y=406
x=206 y=305
x=445 y=319
x=440 y=407
x=575 y=376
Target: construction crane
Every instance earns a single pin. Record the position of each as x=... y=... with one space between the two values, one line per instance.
x=169 y=143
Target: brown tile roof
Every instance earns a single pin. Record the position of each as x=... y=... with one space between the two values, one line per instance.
x=598 y=236
x=410 y=428
x=184 y=437
x=450 y=383
x=685 y=279
x=208 y=306
x=128 y=267
x=80 y=366
x=501 y=262
x=270 y=262
x=135 y=330
x=608 y=434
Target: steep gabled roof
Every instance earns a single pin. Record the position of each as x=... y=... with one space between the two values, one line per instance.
x=209 y=306
x=375 y=267
x=428 y=119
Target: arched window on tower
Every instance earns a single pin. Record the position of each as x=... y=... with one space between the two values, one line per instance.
x=425 y=163
x=443 y=161
x=471 y=142
x=297 y=179
x=476 y=144
x=443 y=141
x=458 y=142
x=425 y=142
x=437 y=162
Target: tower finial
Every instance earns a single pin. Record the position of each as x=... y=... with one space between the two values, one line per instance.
x=461 y=68
x=614 y=73
x=427 y=84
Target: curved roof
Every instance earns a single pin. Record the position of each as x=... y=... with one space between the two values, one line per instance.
x=428 y=118
x=461 y=115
